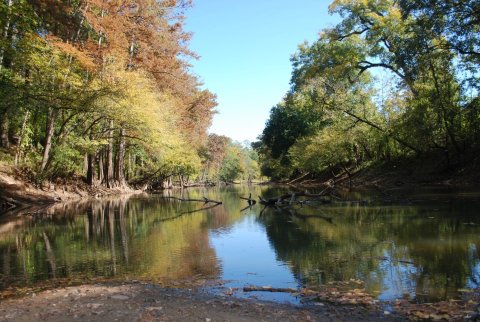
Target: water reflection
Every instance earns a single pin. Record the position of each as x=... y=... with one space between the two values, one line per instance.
x=119 y=237
x=426 y=249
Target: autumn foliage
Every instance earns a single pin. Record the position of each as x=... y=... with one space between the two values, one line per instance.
x=100 y=87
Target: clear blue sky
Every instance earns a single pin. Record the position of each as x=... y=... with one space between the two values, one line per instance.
x=245 y=48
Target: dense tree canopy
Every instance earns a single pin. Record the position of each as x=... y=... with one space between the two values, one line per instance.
x=392 y=79
x=228 y=161
x=101 y=87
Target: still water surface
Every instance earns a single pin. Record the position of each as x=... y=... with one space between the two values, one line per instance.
x=424 y=245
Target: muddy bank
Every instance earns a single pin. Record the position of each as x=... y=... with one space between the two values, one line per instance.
x=16 y=192
x=149 y=302
x=400 y=174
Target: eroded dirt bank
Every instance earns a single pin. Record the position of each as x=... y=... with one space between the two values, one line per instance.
x=149 y=302
x=16 y=192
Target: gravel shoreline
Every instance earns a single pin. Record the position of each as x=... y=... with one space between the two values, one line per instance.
x=149 y=302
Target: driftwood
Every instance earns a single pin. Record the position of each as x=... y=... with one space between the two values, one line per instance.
x=249 y=199
x=204 y=200
x=269 y=289
x=251 y=202
x=299 y=178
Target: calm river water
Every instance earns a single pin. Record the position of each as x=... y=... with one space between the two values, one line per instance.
x=424 y=245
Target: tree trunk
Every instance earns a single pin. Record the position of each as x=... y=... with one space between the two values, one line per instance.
x=100 y=166
x=5 y=34
x=85 y=165
x=120 y=169
x=129 y=167
x=91 y=169
x=109 y=179
x=48 y=138
x=18 y=152
x=4 y=125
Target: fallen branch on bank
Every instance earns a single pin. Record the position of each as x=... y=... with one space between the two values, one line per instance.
x=291 y=197
x=269 y=289
x=299 y=178
x=204 y=200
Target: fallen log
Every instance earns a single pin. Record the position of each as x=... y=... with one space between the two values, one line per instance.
x=291 y=197
x=269 y=289
x=299 y=178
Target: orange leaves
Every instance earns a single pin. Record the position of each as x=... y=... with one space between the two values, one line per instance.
x=80 y=55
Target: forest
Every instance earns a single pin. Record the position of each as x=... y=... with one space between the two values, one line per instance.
x=393 y=80
x=104 y=90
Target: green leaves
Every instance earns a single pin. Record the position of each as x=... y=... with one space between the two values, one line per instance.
x=341 y=77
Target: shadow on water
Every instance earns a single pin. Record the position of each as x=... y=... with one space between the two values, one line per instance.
x=426 y=249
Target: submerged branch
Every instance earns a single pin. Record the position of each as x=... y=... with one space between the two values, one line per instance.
x=251 y=201
x=200 y=209
x=204 y=200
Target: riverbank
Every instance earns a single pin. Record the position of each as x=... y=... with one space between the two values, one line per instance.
x=87 y=243
x=141 y=301
x=149 y=302
x=405 y=173
x=17 y=192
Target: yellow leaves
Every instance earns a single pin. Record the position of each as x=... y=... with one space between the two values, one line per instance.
x=381 y=14
x=138 y=107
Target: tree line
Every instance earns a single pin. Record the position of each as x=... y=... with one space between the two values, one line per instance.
x=100 y=88
x=394 y=79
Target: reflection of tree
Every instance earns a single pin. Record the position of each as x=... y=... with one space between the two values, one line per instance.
x=144 y=237
x=371 y=243
x=111 y=230
x=50 y=256
x=87 y=238
x=123 y=230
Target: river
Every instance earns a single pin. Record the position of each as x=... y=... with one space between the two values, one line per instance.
x=422 y=245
